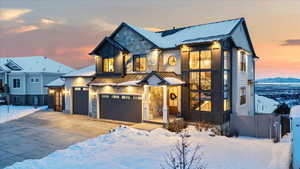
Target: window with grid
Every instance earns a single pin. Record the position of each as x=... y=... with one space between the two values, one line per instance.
x=243 y=62
x=200 y=79
x=16 y=83
x=227 y=80
x=242 y=95
x=139 y=63
x=108 y=64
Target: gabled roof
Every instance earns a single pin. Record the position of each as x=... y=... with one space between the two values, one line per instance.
x=174 y=37
x=32 y=64
x=112 y=42
x=137 y=79
x=88 y=71
x=56 y=83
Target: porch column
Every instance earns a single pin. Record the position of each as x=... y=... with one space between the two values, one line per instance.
x=165 y=105
x=146 y=103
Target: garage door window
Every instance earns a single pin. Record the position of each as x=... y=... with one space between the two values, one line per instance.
x=126 y=97
x=115 y=97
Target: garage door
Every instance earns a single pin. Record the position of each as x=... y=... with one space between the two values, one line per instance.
x=121 y=107
x=80 y=100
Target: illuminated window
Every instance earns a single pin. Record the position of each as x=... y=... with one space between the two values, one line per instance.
x=243 y=62
x=139 y=63
x=108 y=65
x=205 y=59
x=194 y=60
x=200 y=80
x=226 y=104
x=205 y=80
x=172 y=60
x=200 y=101
x=242 y=95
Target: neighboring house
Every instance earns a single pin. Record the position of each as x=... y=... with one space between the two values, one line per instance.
x=23 y=79
x=201 y=73
x=265 y=105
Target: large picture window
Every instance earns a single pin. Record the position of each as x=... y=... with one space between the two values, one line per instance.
x=108 y=65
x=200 y=79
x=200 y=101
x=200 y=60
x=139 y=62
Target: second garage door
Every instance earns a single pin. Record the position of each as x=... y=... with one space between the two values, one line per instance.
x=121 y=107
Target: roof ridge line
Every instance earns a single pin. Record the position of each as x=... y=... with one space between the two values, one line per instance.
x=184 y=27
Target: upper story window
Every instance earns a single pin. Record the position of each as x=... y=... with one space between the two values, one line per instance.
x=226 y=60
x=243 y=62
x=200 y=59
x=108 y=64
x=172 y=60
x=242 y=95
x=139 y=63
x=35 y=80
x=16 y=83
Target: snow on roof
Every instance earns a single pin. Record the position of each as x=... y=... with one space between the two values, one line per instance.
x=295 y=112
x=174 y=81
x=56 y=83
x=83 y=72
x=180 y=35
x=264 y=104
x=34 y=64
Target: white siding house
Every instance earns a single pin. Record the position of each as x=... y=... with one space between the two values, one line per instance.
x=24 y=78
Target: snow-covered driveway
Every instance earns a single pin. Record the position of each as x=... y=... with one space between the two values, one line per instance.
x=129 y=148
x=8 y=113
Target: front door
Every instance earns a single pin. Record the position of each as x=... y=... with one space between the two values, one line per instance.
x=173 y=100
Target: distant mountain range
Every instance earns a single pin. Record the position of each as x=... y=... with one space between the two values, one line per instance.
x=278 y=80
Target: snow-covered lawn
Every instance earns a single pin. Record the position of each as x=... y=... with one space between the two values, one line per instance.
x=128 y=148
x=8 y=113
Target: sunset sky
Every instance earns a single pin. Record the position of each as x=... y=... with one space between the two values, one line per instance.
x=67 y=30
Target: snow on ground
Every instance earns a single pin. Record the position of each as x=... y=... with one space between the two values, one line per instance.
x=264 y=104
x=128 y=148
x=8 y=113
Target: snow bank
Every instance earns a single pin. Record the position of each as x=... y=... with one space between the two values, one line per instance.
x=8 y=113
x=295 y=112
x=128 y=148
x=264 y=104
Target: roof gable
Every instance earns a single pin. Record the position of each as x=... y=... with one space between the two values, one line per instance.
x=111 y=42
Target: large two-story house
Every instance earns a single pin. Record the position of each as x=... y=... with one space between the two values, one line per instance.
x=23 y=79
x=201 y=73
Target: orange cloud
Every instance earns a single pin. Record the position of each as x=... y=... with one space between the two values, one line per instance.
x=23 y=29
x=7 y=14
x=152 y=29
x=47 y=21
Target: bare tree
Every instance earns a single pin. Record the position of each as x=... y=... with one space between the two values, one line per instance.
x=184 y=156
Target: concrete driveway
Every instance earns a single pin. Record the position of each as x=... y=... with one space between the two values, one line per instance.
x=41 y=133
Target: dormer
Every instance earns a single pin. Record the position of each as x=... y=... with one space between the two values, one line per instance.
x=109 y=58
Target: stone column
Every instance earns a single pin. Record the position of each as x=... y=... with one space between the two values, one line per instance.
x=146 y=103
x=165 y=105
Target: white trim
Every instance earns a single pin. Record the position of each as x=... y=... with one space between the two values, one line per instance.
x=127 y=94
x=98 y=105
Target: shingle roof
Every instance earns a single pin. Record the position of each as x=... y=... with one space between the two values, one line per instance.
x=173 y=38
x=137 y=79
x=56 y=83
x=34 y=64
x=88 y=71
